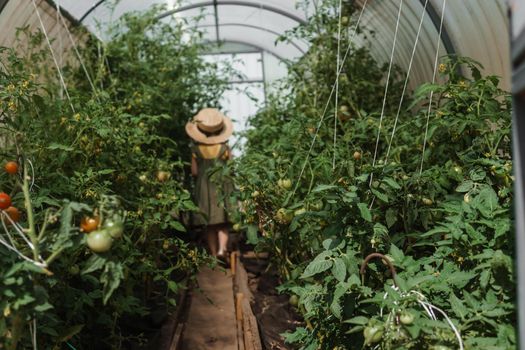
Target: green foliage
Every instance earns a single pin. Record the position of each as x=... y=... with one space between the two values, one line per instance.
x=104 y=150
x=436 y=200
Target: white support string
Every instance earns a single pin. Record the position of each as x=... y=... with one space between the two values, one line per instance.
x=433 y=81
x=32 y=330
x=17 y=230
x=429 y=309
x=329 y=97
x=77 y=52
x=432 y=315
x=12 y=246
x=32 y=175
x=337 y=80
x=61 y=50
x=62 y=81
x=8 y=246
x=386 y=89
x=406 y=81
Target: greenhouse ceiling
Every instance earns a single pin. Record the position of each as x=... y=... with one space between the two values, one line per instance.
x=471 y=28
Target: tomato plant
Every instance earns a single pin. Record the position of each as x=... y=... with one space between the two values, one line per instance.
x=117 y=139
x=435 y=199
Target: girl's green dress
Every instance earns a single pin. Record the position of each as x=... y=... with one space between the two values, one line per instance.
x=212 y=190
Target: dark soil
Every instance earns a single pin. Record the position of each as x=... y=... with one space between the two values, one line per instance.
x=273 y=312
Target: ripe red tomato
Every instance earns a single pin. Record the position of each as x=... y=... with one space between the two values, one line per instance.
x=13 y=213
x=11 y=167
x=5 y=200
x=89 y=224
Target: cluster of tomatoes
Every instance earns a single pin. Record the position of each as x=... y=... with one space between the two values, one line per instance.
x=11 y=168
x=100 y=236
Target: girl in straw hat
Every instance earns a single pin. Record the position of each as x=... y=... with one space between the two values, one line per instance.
x=210 y=130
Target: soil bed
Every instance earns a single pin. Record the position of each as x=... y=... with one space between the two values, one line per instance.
x=274 y=313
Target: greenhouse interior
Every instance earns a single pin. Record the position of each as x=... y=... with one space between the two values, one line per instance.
x=262 y=174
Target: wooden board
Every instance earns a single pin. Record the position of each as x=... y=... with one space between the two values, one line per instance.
x=211 y=323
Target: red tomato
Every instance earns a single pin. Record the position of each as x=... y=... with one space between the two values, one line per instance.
x=5 y=200
x=11 y=167
x=13 y=213
x=89 y=224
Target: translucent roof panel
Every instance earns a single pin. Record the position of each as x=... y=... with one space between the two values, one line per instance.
x=476 y=28
x=248 y=64
x=254 y=22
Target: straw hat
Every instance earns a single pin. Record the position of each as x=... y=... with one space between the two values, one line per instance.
x=211 y=121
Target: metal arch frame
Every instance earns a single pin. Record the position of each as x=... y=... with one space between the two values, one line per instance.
x=236 y=3
x=257 y=47
x=431 y=11
x=436 y=20
x=253 y=27
x=434 y=16
x=209 y=3
x=2 y=4
x=518 y=152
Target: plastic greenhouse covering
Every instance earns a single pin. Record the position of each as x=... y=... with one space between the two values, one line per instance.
x=256 y=25
x=259 y=23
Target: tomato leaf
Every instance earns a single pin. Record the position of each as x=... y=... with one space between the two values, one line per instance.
x=383 y=197
x=315 y=267
x=251 y=235
x=392 y=183
x=465 y=186
x=390 y=217
x=365 y=212
x=94 y=263
x=110 y=278
x=360 y=320
x=339 y=269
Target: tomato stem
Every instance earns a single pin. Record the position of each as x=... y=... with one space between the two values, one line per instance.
x=30 y=216
x=53 y=256
x=44 y=225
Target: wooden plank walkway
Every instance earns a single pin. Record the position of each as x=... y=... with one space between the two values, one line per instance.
x=211 y=323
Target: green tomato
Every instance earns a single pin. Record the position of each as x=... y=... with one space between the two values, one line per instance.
x=285 y=184
x=498 y=260
x=439 y=347
x=284 y=216
x=406 y=318
x=114 y=227
x=294 y=300
x=74 y=269
x=99 y=241
x=427 y=201
x=373 y=334
x=299 y=212
x=237 y=227
x=316 y=205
